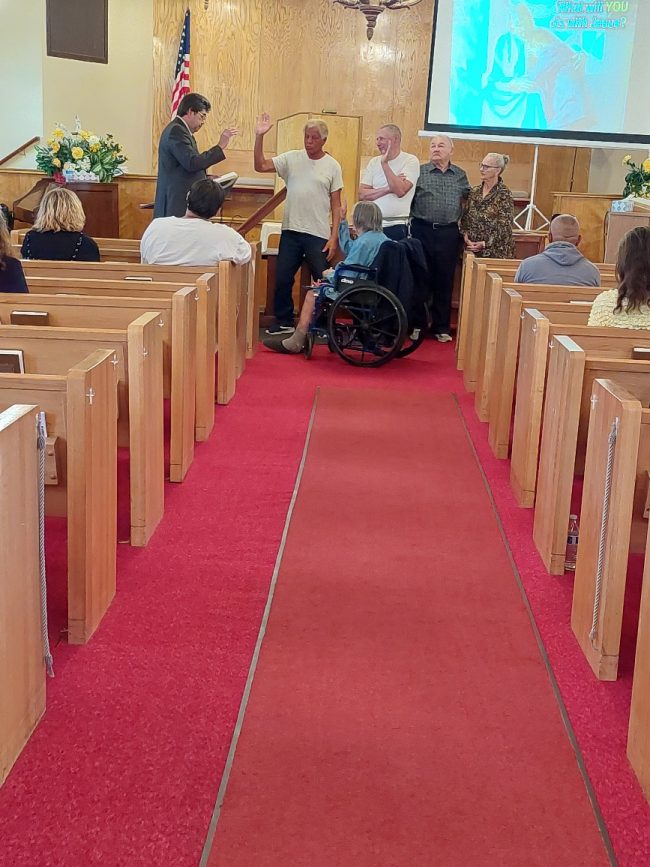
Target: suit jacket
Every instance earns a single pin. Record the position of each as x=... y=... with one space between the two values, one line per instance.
x=179 y=165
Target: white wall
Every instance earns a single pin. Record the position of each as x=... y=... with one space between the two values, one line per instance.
x=22 y=44
x=115 y=97
x=607 y=172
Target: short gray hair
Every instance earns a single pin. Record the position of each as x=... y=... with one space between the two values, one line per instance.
x=320 y=125
x=565 y=227
x=367 y=217
x=393 y=129
x=449 y=140
x=501 y=160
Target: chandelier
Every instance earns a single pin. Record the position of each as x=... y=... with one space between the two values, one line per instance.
x=373 y=8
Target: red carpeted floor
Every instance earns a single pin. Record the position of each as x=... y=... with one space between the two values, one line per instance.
x=125 y=766
x=400 y=712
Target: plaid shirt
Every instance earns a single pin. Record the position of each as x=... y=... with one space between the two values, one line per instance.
x=439 y=195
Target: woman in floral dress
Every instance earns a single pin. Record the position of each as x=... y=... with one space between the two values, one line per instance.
x=487 y=222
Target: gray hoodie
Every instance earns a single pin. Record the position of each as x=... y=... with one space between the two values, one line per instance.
x=561 y=263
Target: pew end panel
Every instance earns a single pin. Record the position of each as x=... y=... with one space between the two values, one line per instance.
x=487 y=349
x=557 y=451
x=596 y=614
x=22 y=668
x=252 y=315
x=638 y=737
x=228 y=349
x=505 y=370
x=528 y=407
x=207 y=315
x=183 y=382
x=146 y=427
x=463 y=307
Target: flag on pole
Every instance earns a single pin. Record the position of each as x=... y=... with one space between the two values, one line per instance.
x=182 y=74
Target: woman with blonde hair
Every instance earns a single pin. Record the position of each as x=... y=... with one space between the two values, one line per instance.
x=12 y=278
x=57 y=232
x=628 y=306
x=486 y=225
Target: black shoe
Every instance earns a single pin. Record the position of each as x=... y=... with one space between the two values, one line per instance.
x=280 y=329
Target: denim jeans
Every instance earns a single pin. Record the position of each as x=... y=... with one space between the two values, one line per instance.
x=294 y=248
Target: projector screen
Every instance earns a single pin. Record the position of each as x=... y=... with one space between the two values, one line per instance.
x=574 y=71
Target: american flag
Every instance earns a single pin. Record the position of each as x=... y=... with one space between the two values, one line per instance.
x=182 y=74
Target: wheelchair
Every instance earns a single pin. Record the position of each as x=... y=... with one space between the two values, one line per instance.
x=366 y=324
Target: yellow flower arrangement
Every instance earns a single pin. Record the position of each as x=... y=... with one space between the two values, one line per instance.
x=637 y=179
x=80 y=151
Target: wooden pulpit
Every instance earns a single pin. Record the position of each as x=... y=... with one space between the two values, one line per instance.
x=99 y=201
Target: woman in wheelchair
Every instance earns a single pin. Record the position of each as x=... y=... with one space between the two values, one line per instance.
x=367 y=223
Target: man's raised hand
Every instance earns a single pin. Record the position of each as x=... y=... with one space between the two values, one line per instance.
x=263 y=124
x=226 y=135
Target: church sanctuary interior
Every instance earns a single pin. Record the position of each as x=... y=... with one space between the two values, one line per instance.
x=385 y=603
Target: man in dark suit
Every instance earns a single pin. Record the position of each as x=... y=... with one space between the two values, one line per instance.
x=179 y=162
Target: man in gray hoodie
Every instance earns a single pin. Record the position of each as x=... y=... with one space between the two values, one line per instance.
x=561 y=263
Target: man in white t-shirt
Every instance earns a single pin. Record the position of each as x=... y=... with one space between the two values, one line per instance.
x=193 y=239
x=389 y=181
x=311 y=211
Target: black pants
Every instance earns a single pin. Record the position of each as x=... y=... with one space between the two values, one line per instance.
x=294 y=248
x=397 y=232
x=441 y=245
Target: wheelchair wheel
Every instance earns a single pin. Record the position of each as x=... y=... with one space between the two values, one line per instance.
x=309 y=345
x=417 y=334
x=367 y=325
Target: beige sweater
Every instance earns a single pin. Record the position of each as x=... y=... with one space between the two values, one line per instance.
x=602 y=313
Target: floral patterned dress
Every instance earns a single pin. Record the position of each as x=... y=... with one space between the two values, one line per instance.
x=490 y=219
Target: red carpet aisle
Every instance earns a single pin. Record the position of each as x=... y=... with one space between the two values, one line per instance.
x=400 y=713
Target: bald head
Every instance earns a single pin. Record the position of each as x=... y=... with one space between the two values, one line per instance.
x=566 y=228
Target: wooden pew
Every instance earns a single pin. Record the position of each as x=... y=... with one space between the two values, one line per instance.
x=638 y=738
x=485 y=315
x=572 y=369
x=80 y=407
x=487 y=352
x=220 y=290
x=22 y=669
x=110 y=249
x=618 y=426
x=537 y=332
x=557 y=303
x=177 y=321
x=137 y=358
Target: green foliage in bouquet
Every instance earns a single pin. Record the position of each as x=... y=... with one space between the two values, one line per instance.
x=637 y=179
x=81 y=151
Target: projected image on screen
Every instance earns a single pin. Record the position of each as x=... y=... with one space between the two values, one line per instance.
x=541 y=66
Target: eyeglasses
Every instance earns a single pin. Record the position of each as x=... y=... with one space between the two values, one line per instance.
x=202 y=114
x=483 y=166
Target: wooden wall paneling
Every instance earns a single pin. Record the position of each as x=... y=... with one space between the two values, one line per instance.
x=168 y=18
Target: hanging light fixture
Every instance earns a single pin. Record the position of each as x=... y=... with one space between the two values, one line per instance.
x=373 y=9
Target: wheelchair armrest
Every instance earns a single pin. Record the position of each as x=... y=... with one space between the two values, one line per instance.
x=365 y=272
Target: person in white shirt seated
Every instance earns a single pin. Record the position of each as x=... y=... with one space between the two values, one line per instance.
x=193 y=239
x=389 y=181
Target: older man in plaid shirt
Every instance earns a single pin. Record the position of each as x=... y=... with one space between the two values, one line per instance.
x=437 y=206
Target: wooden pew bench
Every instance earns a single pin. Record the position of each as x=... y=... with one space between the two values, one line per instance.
x=501 y=332
x=572 y=369
x=484 y=313
x=177 y=321
x=638 y=738
x=22 y=670
x=110 y=249
x=80 y=407
x=556 y=305
x=618 y=426
x=221 y=313
x=137 y=357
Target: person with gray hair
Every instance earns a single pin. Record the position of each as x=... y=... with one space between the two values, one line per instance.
x=314 y=181
x=487 y=222
x=561 y=262
x=440 y=194
x=389 y=180
x=367 y=223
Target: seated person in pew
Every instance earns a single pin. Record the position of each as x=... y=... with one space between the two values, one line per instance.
x=628 y=306
x=561 y=263
x=193 y=239
x=57 y=232
x=367 y=221
x=12 y=278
